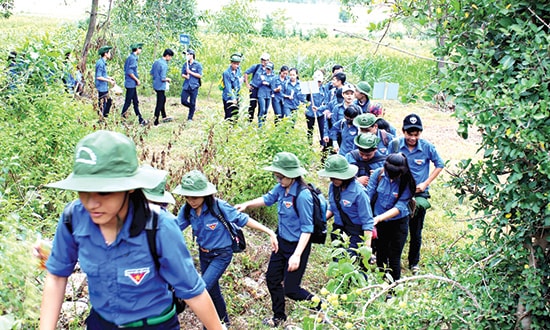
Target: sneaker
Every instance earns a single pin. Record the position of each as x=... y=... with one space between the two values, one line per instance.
x=167 y=119
x=415 y=269
x=143 y=122
x=272 y=322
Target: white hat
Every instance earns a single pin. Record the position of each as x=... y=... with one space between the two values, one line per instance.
x=318 y=75
x=265 y=56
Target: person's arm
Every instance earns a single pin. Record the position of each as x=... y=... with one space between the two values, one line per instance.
x=52 y=298
x=386 y=215
x=329 y=214
x=272 y=236
x=257 y=202
x=294 y=260
x=421 y=187
x=203 y=307
x=133 y=76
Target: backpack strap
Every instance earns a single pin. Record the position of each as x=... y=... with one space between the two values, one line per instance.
x=216 y=211
x=68 y=215
x=151 y=227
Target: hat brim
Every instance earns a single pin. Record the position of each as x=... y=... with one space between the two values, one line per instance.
x=209 y=190
x=362 y=91
x=413 y=126
x=294 y=173
x=348 y=174
x=145 y=177
x=166 y=198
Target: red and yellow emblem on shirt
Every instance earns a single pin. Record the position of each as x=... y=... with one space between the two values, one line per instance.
x=136 y=275
x=346 y=203
x=288 y=204
x=212 y=226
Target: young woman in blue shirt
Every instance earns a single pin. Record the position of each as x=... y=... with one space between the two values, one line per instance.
x=213 y=238
x=277 y=89
x=288 y=264
x=106 y=235
x=348 y=202
x=391 y=188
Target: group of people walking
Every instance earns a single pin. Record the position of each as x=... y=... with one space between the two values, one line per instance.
x=133 y=279
x=191 y=72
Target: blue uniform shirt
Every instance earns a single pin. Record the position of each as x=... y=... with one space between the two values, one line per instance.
x=296 y=91
x=364 y=166
x=354 y=203
x=364 y=107
x=124 y=284
x=232 y=84
x=290 y=225
x=210 y=232
x=131 y=67
x=318 y=100
x=257 y=72
x=383 y=149
x=275 y=83
x=419 y=159
x=101 y=71
x=387 y=195
x=193 y=82
x=159 y=71
x=264 y=91
x=348 y=133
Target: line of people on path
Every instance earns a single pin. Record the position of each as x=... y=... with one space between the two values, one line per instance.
x=191 y=72
x=107 y=230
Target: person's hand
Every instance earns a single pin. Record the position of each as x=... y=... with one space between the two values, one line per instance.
x=112 y=81
x=421 y=187
x=326 y=139
x=169 y=80
x=314 y=108
x=364 y=180
x=327 y=113
x=274 y=242
x=138 y=82
x=293 y=263
x=41 y=250
x=243 y=206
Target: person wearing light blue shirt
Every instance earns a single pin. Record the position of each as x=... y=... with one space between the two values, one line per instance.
x=160 y=81
x=102 y=81
x=292 y=93
x=257 y=70
x=420 y=153
x=277 y=87
x=294 y=230
x=348 y=203
x=312 y=110
x=131 y=82
x=390 y=189
x=264 y=92
x=192 y=73
x=202 y=211
x=108 y=231
x=231 y=78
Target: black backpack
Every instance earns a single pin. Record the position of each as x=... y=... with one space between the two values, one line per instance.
x=151 y=227
x=319 y=214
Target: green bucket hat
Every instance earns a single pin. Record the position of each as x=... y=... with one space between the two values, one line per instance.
x=103 y=50
x=136 y=45
x=107 y=161
x=363 y=87
x=365 y=120
x=287 y=164
x=236 y=58
x=337 y=167
x=159 y=194
x=195 y=184
x=366 y=141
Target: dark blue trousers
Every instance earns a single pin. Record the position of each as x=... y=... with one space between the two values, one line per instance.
x=281 y=282
x=392 y=236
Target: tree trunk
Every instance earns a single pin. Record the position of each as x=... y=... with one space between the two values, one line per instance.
x=89 y=35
